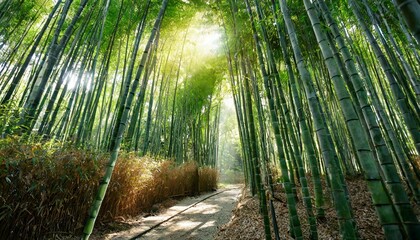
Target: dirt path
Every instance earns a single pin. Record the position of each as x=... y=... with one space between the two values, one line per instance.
x=191 y=218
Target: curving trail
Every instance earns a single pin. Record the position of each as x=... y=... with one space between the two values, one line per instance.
x=192 y=218
x=200 y=221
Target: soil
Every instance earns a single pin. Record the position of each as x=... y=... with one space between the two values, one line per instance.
x=248 y=224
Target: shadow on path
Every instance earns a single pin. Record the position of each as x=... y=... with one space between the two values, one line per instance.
x=191 y=218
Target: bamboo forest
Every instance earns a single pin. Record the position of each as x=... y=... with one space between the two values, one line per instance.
x=277 y=119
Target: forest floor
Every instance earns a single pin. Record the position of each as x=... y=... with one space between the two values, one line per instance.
x=232 y=213
x=190 y=218
x=248 y=224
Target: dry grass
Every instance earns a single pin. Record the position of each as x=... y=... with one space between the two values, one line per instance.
x=45 y=189
x=415 y=159
x=208 y=179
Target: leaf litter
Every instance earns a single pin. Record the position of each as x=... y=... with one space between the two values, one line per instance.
x=247 y=222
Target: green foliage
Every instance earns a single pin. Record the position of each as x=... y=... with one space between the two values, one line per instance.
x=200 y=87
x=230 y=158
x=21 y=12
x=9 y=118
x=50 y=182
x=15 y=18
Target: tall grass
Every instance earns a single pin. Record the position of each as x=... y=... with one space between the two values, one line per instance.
x=45 y=189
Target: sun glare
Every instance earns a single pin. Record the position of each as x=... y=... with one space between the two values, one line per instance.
x=211 y=40
x=207 y=39
x=72 y=79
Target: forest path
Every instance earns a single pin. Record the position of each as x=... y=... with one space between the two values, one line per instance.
x=191 y=218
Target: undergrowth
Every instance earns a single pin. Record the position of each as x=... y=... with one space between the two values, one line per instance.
x=47 y=189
